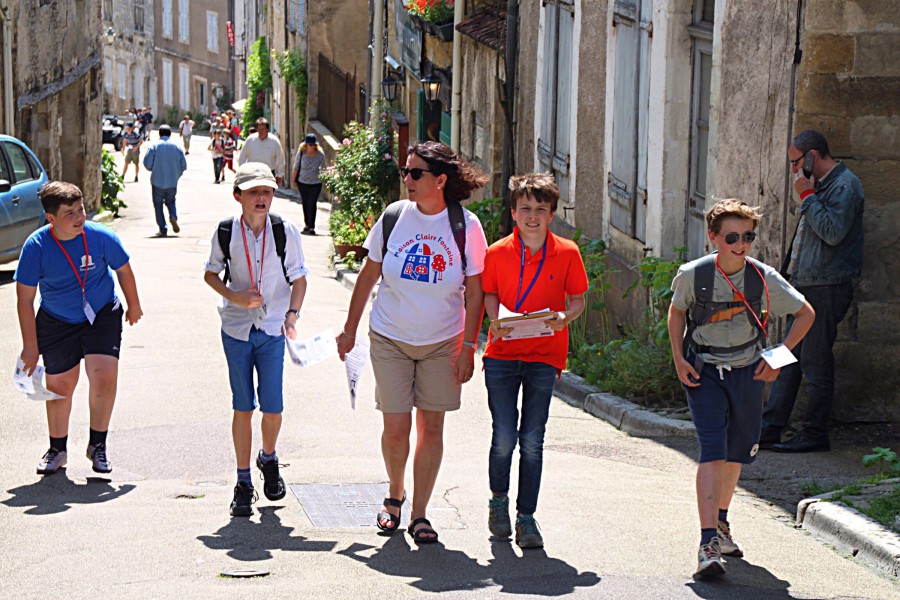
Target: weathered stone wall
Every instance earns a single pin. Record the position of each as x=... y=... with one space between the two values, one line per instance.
x=481 y=115
x=849 y=89
x=527 y=85
x=57 y=89
x=134 y=49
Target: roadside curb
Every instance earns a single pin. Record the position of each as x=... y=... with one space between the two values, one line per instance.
x=851 y=532
x=619 y=412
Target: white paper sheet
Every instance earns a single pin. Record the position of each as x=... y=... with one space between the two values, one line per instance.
x=314 y=350
x=778 y=356
x=33 y=386
x=356 y=361
x=532 y=327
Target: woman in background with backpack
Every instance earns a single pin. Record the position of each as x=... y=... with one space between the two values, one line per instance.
x=308 y=162
x=424 y=321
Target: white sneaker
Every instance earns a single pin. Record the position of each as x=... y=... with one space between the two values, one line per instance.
x=727 y=544
x=51 y=462
x=97 y=455
x=709 y=560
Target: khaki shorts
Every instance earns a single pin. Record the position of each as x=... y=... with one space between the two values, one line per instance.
x=133 y=156
x=420 y=376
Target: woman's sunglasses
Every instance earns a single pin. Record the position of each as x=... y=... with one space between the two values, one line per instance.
x=416 y=173
x=733 y=237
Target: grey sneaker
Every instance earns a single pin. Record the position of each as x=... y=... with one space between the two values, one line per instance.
x=498 y=517
x=51 y=462
x=726 y=543
x=97 y=454
x=709 y=560
x=244 y=497
x=527 y=533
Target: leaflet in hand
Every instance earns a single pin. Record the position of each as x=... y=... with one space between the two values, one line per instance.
x=356 y=361
x=778 y=356
x=313 y=350
x=531 y=325
x=33 y=386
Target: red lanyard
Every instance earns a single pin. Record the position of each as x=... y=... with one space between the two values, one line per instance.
x=87 y=258
x=262 y=259
x=762 y=325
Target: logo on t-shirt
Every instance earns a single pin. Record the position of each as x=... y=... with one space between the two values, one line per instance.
x=727 y=314
x=87 y=263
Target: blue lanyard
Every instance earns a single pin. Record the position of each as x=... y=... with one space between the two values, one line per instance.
x=520 y=301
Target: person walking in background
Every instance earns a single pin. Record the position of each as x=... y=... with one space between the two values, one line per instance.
x=424 y=321
x=71 y=261
x=551 y=275
x=263 y=289
x=167 y=163
x=217 y=148
x=147 y=122
x=132 y=150
x=826 y=254
x=720 y=308
x=228 y=145
x=308 y=162
x=186 y=129
x=265 y=148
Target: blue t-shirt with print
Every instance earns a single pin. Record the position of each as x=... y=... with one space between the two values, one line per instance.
x=44 y=265
x=132 y=139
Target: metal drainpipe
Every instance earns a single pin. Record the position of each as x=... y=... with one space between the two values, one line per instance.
x=798 y=55
x=456 y=101
x=8 y=112
x=377 y=49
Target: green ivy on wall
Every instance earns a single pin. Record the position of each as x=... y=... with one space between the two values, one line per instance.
x=259 y=81
x=291 y=66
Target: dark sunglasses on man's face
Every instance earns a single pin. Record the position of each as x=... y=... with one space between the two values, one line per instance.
x=733 y=237
x=416 y=173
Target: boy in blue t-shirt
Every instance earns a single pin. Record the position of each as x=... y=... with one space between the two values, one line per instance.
x=72 y=260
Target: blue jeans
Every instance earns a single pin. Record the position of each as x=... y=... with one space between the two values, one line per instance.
x=164 y=196
x=503 y=379
x=262 y=352
x=816 y=363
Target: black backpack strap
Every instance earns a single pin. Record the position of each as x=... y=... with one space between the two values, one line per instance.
x=699 y=313
x=458 y=226
x=224 y=235
x=388 y=221
x=280 y=241
x=754 y=287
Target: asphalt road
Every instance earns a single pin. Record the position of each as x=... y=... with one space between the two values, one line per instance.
x=617 y=512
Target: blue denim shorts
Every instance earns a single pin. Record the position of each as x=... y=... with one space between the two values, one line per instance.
x=727 y=413
x=265 y=354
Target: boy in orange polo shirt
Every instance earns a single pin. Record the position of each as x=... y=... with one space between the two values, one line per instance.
x=528 y=271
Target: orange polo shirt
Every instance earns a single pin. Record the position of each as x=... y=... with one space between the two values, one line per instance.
x=563 y=274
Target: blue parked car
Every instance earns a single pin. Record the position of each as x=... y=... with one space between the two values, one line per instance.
x=21 y=177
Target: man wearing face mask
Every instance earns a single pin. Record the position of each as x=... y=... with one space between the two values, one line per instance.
x=826 y=253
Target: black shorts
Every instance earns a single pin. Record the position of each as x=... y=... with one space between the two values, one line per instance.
x=63 y=345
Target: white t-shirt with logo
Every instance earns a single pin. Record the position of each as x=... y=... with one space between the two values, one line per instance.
x=420 y=298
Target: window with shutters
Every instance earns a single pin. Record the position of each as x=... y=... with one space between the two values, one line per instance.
x=184 y=87
x=554 y=142
x=122 y=81
x=701 y=32
x=184 y=21
x=107 y=10
x=167 y=82
x=167 y=19
x=212 y=31
x=139 y=15
x=627 y=179
x=108 y=75
x=137 y=85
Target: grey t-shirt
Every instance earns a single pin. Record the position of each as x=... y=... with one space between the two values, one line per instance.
x=731 y=327
x=309 y=166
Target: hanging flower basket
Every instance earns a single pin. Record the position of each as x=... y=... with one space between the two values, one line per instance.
x=444 y=32
x=431 y=11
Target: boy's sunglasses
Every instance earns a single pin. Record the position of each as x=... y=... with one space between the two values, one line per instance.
x=416 y=174
x=733 y=237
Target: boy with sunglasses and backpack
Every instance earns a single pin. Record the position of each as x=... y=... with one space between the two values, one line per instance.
x=720 y=309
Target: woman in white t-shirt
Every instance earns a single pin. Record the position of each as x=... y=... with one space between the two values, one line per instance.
x=424 y=322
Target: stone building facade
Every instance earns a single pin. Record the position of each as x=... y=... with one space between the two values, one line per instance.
x=54 y=88
x=129 y=72
x=193 y=58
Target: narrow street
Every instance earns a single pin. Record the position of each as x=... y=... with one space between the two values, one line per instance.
x=617 y=513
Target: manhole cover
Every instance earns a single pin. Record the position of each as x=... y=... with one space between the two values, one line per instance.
x=343 y=505
x=241 y=573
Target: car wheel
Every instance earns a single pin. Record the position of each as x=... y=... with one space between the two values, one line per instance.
x=117 y=144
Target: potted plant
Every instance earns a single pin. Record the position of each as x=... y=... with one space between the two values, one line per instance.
x=437 y=16
x=363 y=178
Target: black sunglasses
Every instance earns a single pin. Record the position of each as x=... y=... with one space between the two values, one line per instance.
x=733 y=237
x=796 y=161
x=416 y=173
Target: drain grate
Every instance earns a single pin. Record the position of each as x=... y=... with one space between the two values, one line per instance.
x=342 y=505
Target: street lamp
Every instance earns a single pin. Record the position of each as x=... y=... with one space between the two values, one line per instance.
x=390 y=86
x=431 y=85
x=110 y=36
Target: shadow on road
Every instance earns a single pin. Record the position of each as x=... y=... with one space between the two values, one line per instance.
x=6 y=277
x=248 y=540
x=743 y=582
x=57 y=493
x=438 y=569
